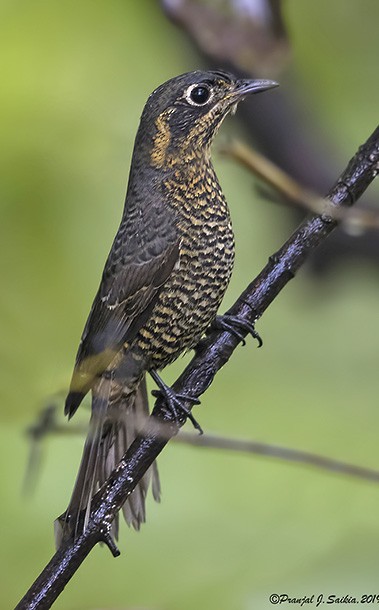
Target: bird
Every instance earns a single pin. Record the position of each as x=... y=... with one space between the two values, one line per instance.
x=163 y=281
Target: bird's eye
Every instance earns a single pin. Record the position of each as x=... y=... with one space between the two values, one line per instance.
x=198 y=95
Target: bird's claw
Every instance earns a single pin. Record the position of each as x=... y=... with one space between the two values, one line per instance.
x=175 y=401
x=238 y=327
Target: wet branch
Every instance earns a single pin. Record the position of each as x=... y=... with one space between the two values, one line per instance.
x=212 y=354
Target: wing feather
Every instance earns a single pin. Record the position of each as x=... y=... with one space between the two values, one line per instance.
x=142 y=257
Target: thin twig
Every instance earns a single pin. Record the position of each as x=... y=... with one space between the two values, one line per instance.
x=305 y=458
x=47 y=425
x=353 y=221
x=213 y=353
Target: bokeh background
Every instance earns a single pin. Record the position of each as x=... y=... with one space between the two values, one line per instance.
x=231 y=529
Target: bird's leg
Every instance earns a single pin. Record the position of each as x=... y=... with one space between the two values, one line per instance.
x=175 y=401
x=236 y=326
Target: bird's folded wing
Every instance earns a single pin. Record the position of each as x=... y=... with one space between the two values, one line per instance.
x=142 y=257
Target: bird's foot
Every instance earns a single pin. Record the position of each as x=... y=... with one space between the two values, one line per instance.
x=175 y=401
x=238 y=327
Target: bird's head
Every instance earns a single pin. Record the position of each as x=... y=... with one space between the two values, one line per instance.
x=183 y=115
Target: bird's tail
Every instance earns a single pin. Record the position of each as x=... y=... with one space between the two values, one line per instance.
x=113 y=427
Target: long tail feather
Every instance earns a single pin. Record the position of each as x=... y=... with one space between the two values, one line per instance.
x=113 y=427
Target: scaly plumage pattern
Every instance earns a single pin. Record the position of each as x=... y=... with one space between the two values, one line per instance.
x=165 y=276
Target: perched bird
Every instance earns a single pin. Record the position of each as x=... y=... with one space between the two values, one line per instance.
x=165 y=276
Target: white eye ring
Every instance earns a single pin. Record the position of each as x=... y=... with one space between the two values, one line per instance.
x=191 y=88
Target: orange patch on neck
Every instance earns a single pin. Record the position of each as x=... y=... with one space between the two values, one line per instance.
x=161 y=142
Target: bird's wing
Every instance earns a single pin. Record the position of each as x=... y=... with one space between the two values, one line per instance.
x=143 y=255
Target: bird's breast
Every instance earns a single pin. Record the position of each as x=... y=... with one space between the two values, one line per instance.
x=190 y=297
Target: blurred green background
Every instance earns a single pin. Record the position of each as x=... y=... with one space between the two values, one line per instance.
x=230 y=529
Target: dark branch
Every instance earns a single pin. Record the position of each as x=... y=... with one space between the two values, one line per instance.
x=212 y=354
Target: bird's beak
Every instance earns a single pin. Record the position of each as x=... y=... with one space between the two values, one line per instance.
x=243 y=87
